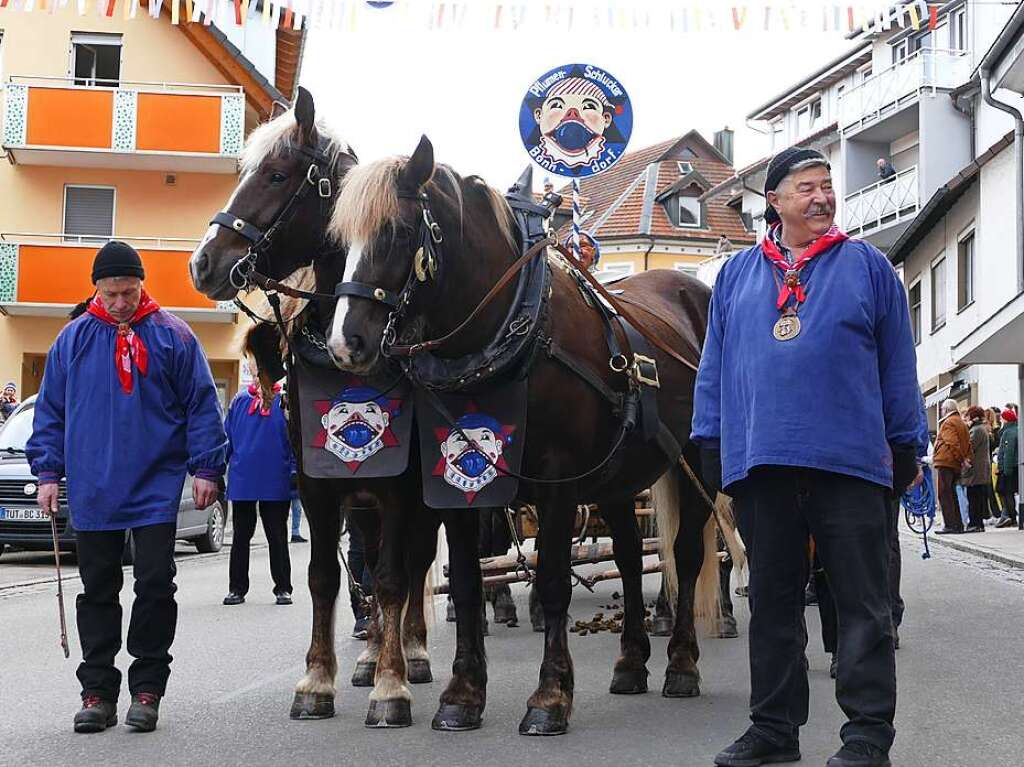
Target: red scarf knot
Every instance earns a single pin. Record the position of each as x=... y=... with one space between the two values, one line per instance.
x=257 y=399
x=791 y=286
x=129 y=347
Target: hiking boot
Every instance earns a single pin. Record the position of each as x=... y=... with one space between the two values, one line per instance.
x=751 y=750
x=859 y=753
x=234 y=599
x=96 y=714
x=1004 y=522
x=143 y=712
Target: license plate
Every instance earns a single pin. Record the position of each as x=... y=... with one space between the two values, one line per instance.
x=23 y=515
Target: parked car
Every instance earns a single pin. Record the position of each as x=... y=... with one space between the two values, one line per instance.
x=23 y=525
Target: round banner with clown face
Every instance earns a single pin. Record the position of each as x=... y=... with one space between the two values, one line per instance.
x=576 y=120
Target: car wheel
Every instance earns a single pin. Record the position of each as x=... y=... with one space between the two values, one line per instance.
x=213 y=539
x=128 y=555
x=3 y=546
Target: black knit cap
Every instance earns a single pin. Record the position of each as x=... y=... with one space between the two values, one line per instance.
x=780 y=166
x=117 y=259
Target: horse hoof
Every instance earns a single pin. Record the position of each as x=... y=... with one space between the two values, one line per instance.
x=389 y=713
x=455 y=717
x=418 y=670
x=662 y=626
x=680 y=685
x=629 y=682
x=539 y=721
x=312 y=705
x=364 y=674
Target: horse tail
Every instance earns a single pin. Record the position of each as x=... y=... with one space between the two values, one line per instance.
x=666 y=500
x=727 y=523
x=707 y=596
x=435 y=575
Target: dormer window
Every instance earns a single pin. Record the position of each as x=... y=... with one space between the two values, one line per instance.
x=689 y=212
x=684 y=168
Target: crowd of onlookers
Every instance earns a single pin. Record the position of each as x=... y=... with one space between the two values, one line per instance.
x=976 y=466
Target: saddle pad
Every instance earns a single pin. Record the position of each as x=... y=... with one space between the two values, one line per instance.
x=353 y=427
x=468 y=442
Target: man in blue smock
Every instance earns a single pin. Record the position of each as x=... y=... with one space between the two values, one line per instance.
x=807 y=410
x=127 y=406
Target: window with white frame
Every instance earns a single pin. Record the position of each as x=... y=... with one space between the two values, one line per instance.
x=958 y=29
x=685 y=267
x=938 y=293
x=96 y=59
x=685 y=168
x=689 y=212
x=808 y=118
x=914 y=299
x=965 y=271
x=900 y=51
x=778 y=129
x=611 y=271
x=88 y=213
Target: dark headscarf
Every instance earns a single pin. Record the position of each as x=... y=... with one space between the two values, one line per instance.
x=779 y=167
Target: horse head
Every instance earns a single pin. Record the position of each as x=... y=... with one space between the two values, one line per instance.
x=423 y=244
x=275 y=220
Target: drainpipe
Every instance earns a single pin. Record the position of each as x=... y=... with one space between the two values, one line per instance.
x=1018 y=160
x=648 y=253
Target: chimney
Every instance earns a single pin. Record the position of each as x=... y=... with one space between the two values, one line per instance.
x=723 y=142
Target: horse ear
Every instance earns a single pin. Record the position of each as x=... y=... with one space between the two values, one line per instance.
x=305 y=115
x=277 y=109
x=420 y=167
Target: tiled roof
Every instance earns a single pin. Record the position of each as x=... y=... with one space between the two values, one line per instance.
x=621 y=202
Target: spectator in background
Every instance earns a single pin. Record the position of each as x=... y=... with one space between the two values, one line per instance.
x=296 y=512
x=260 y=466
x=1013 y=406
x=994 y=426
x=590 y=250
x=885 y=169
x=977 y=475
x=360 y=570
x=8 y=400
x=1006 y=483
x=952 y=450
x=724 y=245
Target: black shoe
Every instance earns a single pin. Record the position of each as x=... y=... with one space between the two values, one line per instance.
x=361 y=629
x=950 y=531
x=752 y=750
x=896 y=637
x=1004 y=522
x=284 y=598
x=143 y=712
x=234 y=599
x=975 y=529
x=859 y=753
x=299 y=539
x=96 y=714
x=833 y=667
x=727 y=627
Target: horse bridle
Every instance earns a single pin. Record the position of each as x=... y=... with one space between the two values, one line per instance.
x=244 y=270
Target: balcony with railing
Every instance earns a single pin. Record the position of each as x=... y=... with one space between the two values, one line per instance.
x=883 y=205
x=47 y=274
x=890 y=90
x=132 y=125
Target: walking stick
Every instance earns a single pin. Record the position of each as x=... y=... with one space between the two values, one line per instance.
x=60 y=590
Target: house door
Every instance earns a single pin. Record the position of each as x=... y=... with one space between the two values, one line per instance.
x=32 y=366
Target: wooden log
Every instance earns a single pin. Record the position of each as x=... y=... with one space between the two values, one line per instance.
x=520 y=577
x=586 y=553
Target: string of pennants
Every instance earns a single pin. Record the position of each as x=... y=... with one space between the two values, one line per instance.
x=693 y=16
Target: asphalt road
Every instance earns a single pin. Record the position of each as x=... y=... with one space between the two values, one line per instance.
x=234 y=669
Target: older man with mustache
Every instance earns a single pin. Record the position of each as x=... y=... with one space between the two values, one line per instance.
x=808 y=413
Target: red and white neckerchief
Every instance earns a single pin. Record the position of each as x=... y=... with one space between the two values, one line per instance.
x=791 y=271
x=129 y=346
x=257 y=399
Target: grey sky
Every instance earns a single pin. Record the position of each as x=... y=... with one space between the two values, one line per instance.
x=381 y=87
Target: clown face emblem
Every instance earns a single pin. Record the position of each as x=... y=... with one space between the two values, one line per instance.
x=572 y=121
x=357 y=425
x=472 y=453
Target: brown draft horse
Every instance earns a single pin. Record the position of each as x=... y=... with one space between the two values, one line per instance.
x=570 y=426
x=276 y=165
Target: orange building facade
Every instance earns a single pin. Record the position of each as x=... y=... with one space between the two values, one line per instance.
x=122 y=129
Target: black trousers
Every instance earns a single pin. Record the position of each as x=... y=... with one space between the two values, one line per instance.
x=357 y=563
x=274 y=516
x=154 y=611
x=977 y=504
x=850 y=519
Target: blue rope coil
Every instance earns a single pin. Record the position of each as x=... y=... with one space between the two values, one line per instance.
x=919 y=509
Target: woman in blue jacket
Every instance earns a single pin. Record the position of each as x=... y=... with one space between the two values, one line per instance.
x=260 y=465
